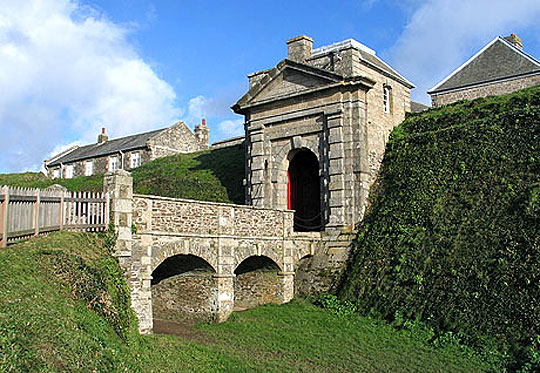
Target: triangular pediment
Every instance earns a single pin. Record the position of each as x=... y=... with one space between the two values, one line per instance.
x=291 y=81
x=287 y=79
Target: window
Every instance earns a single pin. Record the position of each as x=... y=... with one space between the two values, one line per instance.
x=135 y=160
x=89 y=168
x=56 y=173
x=68 y=171
x=113 y=163
x=387 y=98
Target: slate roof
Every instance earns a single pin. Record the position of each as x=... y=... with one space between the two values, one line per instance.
x=417 y=107
x=109 y=147
x=498 y=60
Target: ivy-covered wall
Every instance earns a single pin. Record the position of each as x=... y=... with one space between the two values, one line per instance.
x=452 y=236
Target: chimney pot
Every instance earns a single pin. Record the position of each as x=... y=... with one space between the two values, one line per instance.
x=300 y=48
x=103 y=130
x=204 y=122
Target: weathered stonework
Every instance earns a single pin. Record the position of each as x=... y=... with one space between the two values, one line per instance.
x=257 y=288
x=190 y=297
x=224 y=236
x=330 y=102
x=484 y=90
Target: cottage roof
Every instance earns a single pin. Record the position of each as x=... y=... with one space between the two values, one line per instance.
x=106 y=148
x=417 y=107
x=498 y=60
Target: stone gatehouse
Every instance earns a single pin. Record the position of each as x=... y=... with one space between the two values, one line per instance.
x=316 y=127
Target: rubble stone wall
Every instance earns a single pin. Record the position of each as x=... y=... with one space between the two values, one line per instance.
x=497 y=88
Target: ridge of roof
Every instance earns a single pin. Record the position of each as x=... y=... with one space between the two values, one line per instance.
x=108 y=147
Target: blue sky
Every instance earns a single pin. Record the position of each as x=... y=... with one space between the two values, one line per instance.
x=70 y=67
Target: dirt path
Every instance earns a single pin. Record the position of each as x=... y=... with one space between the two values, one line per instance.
x=183 y=330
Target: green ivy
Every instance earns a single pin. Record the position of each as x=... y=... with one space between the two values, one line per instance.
x=452 y=236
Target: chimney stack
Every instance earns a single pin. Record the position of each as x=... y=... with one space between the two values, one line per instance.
x=202 y=134
x=516 y=40
x=300 y=48
x=102 y=136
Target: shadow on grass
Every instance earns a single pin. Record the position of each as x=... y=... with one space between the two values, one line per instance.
x=227 y=164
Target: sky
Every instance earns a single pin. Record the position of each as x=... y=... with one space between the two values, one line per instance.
x=68 y=68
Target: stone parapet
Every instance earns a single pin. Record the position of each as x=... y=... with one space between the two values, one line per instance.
x=161 y=214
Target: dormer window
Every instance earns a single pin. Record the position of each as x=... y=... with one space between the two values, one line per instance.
x=387 y=98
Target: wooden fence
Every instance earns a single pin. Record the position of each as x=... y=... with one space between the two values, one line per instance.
x=30 y=212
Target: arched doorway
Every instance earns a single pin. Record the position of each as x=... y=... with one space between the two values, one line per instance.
x=304 y=191
x=256 y=283
x=184 y=290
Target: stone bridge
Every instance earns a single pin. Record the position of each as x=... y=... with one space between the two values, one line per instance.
x=198 y=260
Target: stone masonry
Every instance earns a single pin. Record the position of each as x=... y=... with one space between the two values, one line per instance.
x=223 y=235
x=484 y=90
x=339 y=102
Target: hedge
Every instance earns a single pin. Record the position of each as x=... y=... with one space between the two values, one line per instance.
x=452 y=236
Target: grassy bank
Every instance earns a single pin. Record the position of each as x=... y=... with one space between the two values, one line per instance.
x=64 y=307
x=452 y=237
x=213 y=175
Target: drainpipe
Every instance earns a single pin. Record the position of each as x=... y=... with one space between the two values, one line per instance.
x=61 y=170
x=121 y=160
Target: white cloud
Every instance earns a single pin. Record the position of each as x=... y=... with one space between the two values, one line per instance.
x=442 y=34
x=232 y=128
x=198 y=108
x=66 y=71
x=216 y=110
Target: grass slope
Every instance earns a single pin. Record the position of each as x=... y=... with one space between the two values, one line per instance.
x=453 y=235
x=213 y=175
x=64 y=307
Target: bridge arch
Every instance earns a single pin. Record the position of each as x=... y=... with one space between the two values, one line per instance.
x=302 y=275
x=184 y=289
x=257 y=282
x=183 y=247
x=246 y=249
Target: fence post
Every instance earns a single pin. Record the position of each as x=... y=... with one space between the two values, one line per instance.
x=36 y=213
x=4 y=216
x=61 y=212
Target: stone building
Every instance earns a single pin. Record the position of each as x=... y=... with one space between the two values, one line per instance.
x=316 y=128
x=127 y=152
x=500 y=67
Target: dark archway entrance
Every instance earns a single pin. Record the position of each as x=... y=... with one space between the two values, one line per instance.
x=184 y=290
x=304 y=191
